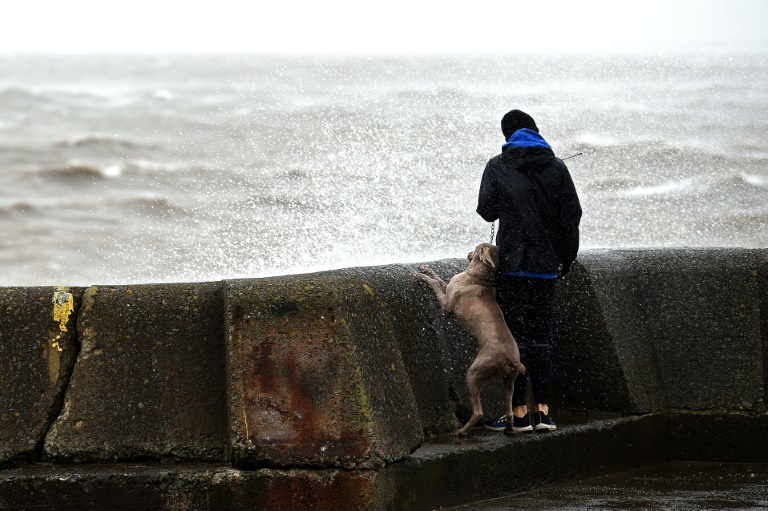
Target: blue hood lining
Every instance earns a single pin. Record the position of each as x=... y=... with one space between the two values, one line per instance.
x=526 y=138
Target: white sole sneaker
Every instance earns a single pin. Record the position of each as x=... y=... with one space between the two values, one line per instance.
x=544 y=423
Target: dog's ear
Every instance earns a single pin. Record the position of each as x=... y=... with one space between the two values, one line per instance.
x=489 y=256
x=469 y=256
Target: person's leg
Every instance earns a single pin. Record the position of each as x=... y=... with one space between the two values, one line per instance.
x=539 y=325
x=528 y=307
x=510 y=295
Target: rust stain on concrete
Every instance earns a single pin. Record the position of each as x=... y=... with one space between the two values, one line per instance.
x=303 y=396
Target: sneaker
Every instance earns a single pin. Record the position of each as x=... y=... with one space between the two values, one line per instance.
x=499 y=424
x=519 y=424
x=522 y=424
x=544 y=423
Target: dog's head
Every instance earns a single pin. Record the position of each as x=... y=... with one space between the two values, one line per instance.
x=487 y=254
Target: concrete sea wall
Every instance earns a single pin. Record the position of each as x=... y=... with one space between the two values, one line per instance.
x=325 y=391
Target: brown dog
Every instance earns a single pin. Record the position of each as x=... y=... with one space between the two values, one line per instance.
x=471 y=297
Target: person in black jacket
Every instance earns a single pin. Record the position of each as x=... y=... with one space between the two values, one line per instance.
x=531 y=193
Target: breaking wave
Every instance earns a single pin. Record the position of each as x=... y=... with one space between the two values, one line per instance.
x=80 y=171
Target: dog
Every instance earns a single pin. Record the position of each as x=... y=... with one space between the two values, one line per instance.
x=470 y=297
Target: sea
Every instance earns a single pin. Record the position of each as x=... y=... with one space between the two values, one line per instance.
x=118 y=169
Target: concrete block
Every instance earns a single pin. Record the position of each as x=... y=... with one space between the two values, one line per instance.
x=588 y=370
x=703 y=316
x=316 y=377
x=149 y=381
x=38 y=347
x=641 y=330
x=762 y=282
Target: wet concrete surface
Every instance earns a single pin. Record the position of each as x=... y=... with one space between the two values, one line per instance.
x=677 y=485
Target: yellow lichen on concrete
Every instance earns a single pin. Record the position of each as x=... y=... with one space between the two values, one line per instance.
x=365 y=405
x=63 y=306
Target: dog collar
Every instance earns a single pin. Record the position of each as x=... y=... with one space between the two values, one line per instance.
x=489 y=281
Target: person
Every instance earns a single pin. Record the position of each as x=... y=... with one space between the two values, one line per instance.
x=531 y=193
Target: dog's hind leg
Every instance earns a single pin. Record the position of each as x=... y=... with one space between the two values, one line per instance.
x=476 y=377
x=509 y=389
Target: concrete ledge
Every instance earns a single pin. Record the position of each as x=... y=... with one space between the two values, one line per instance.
x=444 y=472
x=719 y=436
x=490 y=465
x=149 y=380
x=132 y=487
x=438 y=474
x=38 y=347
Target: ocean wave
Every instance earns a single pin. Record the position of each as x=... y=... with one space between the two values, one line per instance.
x=95 y=141
x=675 y=187
x=163 y=94
x=754 y=181
x=17 y=98
x=613 y=183
x=283 y=202
x=149 y=204
x=142 y=204
x=68 y=95
x=11 y=90
x=154 y=167
x=739 y=184
x=16 y=208
x=728 y=185
x=637 y=146
x=77 y=171
x=596 y=140
x=46 y=206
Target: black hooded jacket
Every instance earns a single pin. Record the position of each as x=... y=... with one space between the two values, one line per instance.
x=531 y=193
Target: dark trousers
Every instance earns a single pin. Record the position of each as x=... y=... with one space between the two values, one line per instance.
x=528 y=307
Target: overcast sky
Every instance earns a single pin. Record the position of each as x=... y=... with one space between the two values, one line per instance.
x=388 y=26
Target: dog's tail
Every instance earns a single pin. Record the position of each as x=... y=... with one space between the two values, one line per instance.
x=520 y=367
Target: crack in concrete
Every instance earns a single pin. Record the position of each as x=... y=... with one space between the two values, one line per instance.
x=57 y=405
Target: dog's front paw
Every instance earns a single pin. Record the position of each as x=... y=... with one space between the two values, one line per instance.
x=425 y=269
x=421 y=277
